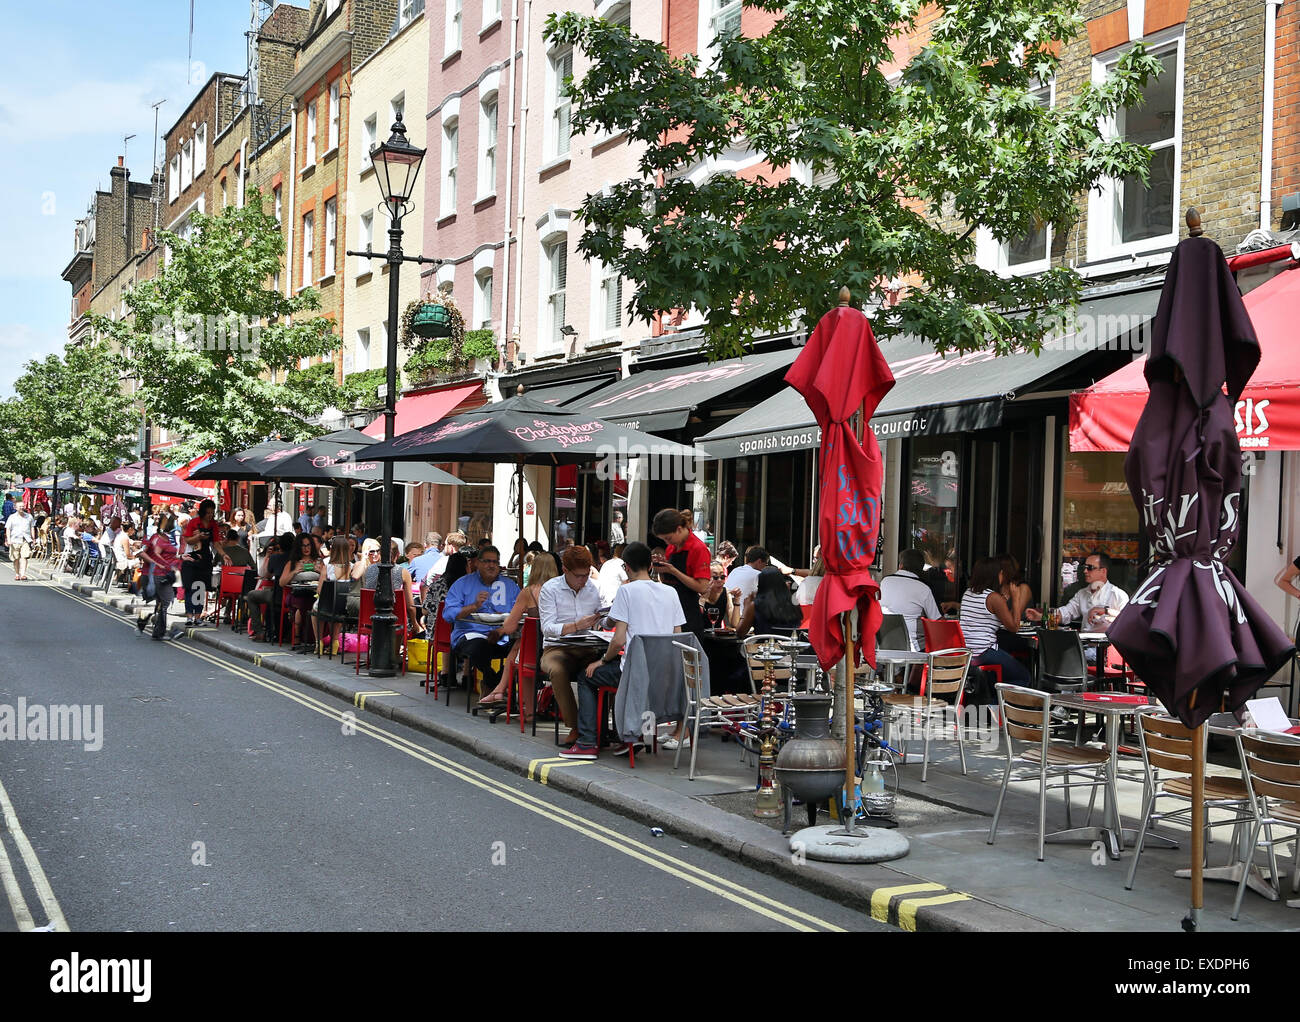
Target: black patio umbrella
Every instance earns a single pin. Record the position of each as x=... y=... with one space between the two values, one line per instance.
x=1191 y=632
x=244 y=466
x=519 y=431
x=332 y=459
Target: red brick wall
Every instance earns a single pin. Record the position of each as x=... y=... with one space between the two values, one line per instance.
x=1286 y=110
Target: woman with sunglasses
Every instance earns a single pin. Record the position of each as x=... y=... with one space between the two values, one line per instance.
x=303 y=569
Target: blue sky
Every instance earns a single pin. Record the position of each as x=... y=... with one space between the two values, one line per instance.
x=83 y=75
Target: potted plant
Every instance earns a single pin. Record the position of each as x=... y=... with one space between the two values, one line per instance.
x=435 y=315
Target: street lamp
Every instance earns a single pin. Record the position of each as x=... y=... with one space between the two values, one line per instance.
x=397 y=165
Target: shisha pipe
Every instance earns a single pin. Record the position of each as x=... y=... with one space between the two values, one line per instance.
x=767 y=804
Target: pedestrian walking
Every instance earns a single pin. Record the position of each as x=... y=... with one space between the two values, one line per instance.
x=18 y=535
x=161 y=563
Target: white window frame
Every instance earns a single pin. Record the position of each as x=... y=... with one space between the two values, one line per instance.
x=408 y=11
x=559 y=110
x=174 y=179
x=990 y=254
x=309 y=159
x=708 y=18
x=331 y=238
x=454 y=22
x=483 y=285
x=450 y=163
x=367 y=239
x=361 y=353
x=606 y=276
x=276 y=194
x=1103 y=202
x=554 y=299
x=369 y=139
x=333 y=101
x=396 y=106
x=491 y=14
x=488 y=136
x=308 y=243
x=187 y=164
x=200 y=149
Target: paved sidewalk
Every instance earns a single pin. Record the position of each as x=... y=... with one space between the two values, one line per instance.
x=946 y=819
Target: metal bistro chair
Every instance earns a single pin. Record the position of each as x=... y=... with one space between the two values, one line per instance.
x=1166 y=744
x=892 y=633
x=725 y=711
x=1027 y=716
x=945 y=675
x=1270 y=766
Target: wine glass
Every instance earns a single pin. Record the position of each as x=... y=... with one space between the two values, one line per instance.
x=714 y=613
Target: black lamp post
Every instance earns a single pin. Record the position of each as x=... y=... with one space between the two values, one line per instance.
x=397 y=165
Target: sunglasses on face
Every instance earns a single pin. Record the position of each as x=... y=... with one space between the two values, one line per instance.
x=1092 y=567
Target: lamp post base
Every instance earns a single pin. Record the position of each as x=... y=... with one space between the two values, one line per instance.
x=383 y=631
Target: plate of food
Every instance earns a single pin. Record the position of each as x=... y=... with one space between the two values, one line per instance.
x=484 y=618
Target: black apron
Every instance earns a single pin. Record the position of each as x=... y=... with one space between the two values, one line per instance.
x=690 y=599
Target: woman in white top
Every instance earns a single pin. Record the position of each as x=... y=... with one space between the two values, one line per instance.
x=983 y=611
x=337 y=569
x=805 y=593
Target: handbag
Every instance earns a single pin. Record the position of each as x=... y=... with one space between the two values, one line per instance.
x=417 y=653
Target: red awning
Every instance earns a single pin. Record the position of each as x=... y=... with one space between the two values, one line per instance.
x=1102 y=418
x=420 y=410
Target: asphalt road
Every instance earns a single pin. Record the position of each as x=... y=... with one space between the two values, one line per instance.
x=224 y=797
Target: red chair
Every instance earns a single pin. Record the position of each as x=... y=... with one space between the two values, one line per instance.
x=946 y=634
x=1117 y=671
x=528 y=656
x=231 y=589
x=441 y=645
x=364 y=613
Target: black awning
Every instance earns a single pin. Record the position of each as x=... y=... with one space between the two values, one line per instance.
x=559 y=394
x=935 y=393
x=663 y=399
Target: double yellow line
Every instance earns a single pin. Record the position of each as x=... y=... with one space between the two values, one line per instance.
x=728 y=890
x=899 y=905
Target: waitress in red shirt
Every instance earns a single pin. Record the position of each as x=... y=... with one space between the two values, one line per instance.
x=161 y=561
x=685 y=565
x=197 y=537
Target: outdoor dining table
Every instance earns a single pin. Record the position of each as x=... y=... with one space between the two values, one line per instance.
x=1112 y=708
x=892 y=659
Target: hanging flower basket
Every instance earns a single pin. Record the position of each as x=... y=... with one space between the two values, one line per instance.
x=432 y=320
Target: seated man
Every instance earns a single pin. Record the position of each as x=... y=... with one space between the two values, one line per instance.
x=567 y=604
x=1096 y=605
x=641 y=607
x=266 y=627
x=482 y=591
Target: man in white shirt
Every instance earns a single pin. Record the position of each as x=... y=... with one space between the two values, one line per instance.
x=742 y=583
x=568 y=604
x=642 y=607
x=612 y=577
x=18 y=533
x=1094 y=606
x=616 y=534
x=275 y=524
x=905 y=593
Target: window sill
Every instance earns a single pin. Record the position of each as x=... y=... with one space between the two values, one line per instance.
x=552 y=167
x=448 y=58
x=604 y=145
x=484 y=201
x=363 y=276
x=328 y=279
x=446 y=219
x=490 y=27
x=1105 y=265
x=307 y=170
x=369 y=168
x=549 y=356
x=601 y=345
x=330 y=154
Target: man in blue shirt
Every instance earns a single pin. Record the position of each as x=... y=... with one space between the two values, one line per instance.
x=484 y=591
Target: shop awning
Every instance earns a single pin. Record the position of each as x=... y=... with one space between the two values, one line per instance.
x=1103 y=417
x=663 y=399
x=935 y=393
x=559 y=394
x=420 y=410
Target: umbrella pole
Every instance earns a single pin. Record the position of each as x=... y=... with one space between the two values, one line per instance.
x=1193 y=920
x=850 y=781
x=519 y=474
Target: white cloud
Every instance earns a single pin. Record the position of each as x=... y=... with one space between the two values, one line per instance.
x=19 y=343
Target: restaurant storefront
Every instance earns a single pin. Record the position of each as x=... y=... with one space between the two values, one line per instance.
x=972 y=445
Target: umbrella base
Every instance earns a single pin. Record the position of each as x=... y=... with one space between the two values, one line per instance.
x=1257 y=881
x=831 y=844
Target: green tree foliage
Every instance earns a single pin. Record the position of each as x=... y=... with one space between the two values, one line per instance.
x=956 y=141
x=70 y=412
x=208 y=337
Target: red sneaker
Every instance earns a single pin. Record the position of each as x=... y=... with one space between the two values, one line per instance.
x=578 y=751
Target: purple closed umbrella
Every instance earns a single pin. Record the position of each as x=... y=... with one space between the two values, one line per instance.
x=1191 y=631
